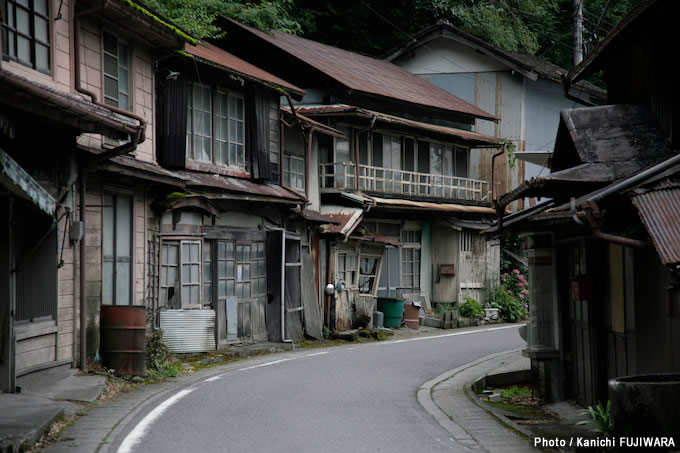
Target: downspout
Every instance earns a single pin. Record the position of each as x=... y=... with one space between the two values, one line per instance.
x=91 y=94
x=308 y=158
x=500 y=209
x=356 y=150
x=592 y=209
x=83 y=269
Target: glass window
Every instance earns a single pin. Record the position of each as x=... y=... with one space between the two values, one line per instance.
x=26 y=33
x=180 y=279
x=346 y=269
x=116 y=72
x=228 y=138
x=117 y=250
x=368 y=270
x=294 y=172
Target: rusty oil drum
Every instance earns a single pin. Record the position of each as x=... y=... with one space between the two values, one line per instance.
x=122 y=338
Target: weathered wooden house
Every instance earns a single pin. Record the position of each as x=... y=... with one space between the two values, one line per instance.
x=604 y=252
x=522 y=90
x=77 y=135
x=407 y=202
x=234 y=245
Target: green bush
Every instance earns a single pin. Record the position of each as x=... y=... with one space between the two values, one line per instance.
x=442 y=308
x=510 y=308
x=471 y=309
x=158 y=358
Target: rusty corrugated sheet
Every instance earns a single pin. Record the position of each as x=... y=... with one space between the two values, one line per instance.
x=347 y=219
x=366 y=74
x=238 y=185
x=377 y=238
x=337 y=109
x=659 y=209
x=214 y=55
x=427 y=206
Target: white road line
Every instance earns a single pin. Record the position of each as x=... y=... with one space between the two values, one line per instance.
x=435 y=337
x=138 y=432
x=268 y=363
x=214 y=378
x=316 y=353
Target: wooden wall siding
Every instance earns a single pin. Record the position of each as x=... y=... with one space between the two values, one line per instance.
x=141 y=80
x=35 y=351
x=445 y=246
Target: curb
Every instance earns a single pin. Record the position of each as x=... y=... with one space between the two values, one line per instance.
x=425 y=399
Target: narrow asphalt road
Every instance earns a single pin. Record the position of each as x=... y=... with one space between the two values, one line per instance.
x=349 y=398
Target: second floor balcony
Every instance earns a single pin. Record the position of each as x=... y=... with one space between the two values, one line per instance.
x=409 y=184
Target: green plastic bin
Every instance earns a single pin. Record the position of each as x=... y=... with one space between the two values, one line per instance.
x=393 y=310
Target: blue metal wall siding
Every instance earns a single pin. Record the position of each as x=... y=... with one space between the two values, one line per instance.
x=461 y=85
x=544 y=101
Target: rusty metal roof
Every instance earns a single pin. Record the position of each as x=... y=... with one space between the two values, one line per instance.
x=347 y=219
x=428 y=206
x=365 y=74
x=659 y=210
x=469 y=137
x=238 y=188
x=375 y=237
x=213 y=55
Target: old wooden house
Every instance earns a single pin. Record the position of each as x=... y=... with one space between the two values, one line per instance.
x=604 y=250
x=77 y=140
x=234 y=245
x=523 y=90
x=408 y=204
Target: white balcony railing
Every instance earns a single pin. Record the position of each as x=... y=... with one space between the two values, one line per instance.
x=342 y=176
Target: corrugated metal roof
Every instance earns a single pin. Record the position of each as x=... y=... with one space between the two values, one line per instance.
x=211 y=54
x=366 y=74
x=375 y=237
x=427 y=206
x=659 y=209
x=347 y=219
x=344 y=109
x=246 y=189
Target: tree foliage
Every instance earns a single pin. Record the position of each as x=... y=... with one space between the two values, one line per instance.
x=197 y=16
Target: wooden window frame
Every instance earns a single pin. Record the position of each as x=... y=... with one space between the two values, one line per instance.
x=288 y=172
x=114 y=258
x=108 y=99
x=241 y=159
x=6 y=29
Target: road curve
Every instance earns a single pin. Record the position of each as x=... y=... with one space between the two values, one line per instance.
x=349 y=398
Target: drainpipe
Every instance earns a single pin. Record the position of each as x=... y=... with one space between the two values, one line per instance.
x=308 y=158
x=92 y=95
x=356 y=150
x=493 y=173
x=83 y=268
x=592 y=209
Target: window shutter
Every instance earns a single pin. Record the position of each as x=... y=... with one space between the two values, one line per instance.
x=172 y=122
x=259 y=134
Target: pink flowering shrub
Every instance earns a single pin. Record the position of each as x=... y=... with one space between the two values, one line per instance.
x=512 y=297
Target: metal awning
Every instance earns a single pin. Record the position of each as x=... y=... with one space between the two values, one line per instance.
x=347 y=219
x=19 y=182
x=541 y=158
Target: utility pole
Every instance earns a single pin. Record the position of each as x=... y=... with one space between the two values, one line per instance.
x=578 y=31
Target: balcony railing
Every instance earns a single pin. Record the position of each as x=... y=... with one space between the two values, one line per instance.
x=342 y=176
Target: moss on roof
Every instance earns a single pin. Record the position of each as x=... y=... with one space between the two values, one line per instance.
x=173 y=28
